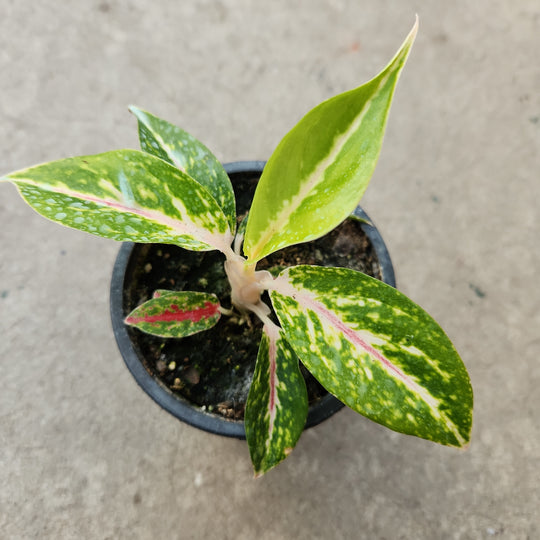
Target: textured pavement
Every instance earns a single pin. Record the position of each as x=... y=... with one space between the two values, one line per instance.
x=84 y=453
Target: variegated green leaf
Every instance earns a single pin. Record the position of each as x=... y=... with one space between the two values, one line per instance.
x=126 y=195
x=176 y=314
x=321 y=168
x=169 y=142
x=277 y=404
x=376 y=351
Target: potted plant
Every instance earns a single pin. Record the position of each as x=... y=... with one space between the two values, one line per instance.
x=364 y=341
x=204 y=379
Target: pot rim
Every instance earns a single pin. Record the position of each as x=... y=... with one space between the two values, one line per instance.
x=177 y=405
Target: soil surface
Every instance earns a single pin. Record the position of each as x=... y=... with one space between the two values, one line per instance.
x=214 y=368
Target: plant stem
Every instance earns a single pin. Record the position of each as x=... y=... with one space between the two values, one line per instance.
x=246 y=285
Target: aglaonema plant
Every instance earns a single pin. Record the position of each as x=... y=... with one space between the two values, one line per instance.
x=366 y=343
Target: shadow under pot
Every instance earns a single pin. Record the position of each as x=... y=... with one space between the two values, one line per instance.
x=204 y=379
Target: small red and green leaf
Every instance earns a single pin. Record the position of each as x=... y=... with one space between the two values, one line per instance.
x=277 y=403
x=176 y=314
x=376 y=351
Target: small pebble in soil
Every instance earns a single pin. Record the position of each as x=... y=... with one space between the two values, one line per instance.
x=192 y=375
x=161 y=366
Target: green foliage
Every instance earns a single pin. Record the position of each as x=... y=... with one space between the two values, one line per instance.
x=364 y=341
x=277 y=404
x=184 y=151
x=126 y=195
x=173 y=314
x=321 y=168
x=376 y=351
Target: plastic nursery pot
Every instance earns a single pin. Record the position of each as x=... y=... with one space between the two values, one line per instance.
x=154 y=363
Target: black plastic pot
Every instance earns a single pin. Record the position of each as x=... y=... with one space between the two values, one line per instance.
x=175 y=404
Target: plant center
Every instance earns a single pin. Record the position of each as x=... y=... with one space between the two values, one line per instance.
x=246 y=285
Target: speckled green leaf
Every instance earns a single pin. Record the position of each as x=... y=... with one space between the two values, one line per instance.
x=377 y=351
x=169 y=142
x=321 y=168
x=126 y=195
x=176 y=314
x=277 y=403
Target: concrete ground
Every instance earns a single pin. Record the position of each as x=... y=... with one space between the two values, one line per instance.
x=84 y=453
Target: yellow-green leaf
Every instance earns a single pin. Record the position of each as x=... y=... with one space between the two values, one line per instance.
x=319 y=171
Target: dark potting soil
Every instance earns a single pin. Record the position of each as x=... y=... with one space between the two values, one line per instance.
x=214 y=368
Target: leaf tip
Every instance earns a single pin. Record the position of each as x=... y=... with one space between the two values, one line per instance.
x=137 y=112
x=405 y=48
x=414 y=30
x=409 y=40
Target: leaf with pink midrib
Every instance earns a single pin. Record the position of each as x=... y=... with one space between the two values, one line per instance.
x=376 y=351
x=126 y=195
x=277 y=405
x=176 y=314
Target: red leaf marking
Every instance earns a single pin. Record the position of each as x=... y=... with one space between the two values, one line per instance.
x=355 y=339
x=175 y=314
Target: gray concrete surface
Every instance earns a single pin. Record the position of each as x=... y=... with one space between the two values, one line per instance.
x=84 y=453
